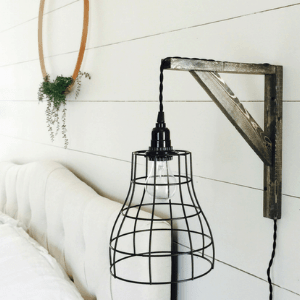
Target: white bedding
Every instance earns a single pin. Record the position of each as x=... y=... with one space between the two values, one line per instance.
x=27 y=269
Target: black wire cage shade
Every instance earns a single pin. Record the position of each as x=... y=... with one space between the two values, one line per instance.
x=145 y=219
x=161 y=205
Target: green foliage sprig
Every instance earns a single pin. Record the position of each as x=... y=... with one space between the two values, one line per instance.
x=55 y=93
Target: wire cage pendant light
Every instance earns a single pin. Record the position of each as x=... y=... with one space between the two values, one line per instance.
x=161 y=204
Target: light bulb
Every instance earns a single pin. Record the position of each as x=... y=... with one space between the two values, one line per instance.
x=163 y=179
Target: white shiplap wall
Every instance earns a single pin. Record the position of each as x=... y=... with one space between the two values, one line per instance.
x=116 y=111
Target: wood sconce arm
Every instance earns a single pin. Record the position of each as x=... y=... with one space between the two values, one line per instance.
x=266 y=143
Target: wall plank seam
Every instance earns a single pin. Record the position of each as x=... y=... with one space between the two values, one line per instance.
x=250 y=274
x=35 y=18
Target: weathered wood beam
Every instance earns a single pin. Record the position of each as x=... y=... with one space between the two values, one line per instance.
x=182 y=64
x=273 y=129
x=230 y=105
x=267 y=144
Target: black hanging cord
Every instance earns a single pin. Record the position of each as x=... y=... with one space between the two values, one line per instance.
x=271 y=260
x=161 y=77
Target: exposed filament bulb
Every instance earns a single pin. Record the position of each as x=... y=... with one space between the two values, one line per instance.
x=161 y=181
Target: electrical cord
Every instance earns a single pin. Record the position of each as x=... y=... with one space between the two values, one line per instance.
x=271 y=260
x=110 y=287
x=161 y=76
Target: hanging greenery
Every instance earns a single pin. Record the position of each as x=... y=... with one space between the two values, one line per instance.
x=55 y=93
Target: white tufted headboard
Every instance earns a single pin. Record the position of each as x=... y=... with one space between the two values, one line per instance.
x=73 y=223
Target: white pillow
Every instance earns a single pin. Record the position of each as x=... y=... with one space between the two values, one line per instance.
x=27 y=269
x=5 y=219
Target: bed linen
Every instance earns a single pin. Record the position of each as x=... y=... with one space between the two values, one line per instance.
x=28 y=271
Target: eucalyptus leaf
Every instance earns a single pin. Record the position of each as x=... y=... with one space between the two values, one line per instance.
x=55 y=93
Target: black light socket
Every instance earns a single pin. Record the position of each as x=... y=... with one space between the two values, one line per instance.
x=160 y=148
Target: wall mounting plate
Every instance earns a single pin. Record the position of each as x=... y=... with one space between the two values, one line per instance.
x=266 y=143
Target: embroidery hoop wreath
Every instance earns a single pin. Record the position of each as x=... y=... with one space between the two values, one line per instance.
x=56 y=91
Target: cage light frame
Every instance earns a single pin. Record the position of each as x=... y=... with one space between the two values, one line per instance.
x=185 y=178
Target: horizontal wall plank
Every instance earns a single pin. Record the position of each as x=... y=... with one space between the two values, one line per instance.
x=110 y=16
x=113 y=21
x=105 y=128
x=137 y=76
x=218 y=150
x=168 y=15
x=21 y=81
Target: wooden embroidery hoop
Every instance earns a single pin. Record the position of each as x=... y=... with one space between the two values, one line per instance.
x=82 y=45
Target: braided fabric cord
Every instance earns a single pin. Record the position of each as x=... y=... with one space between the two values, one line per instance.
x=271 y=260
x=161 y=77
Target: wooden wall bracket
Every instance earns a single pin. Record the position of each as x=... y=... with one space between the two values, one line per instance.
x=266 y=143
